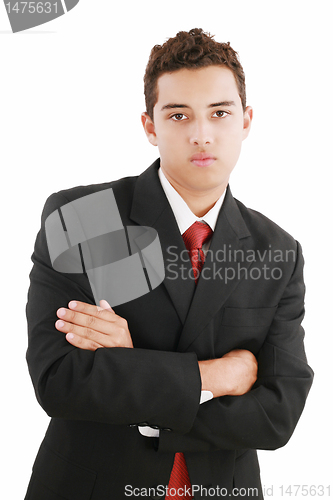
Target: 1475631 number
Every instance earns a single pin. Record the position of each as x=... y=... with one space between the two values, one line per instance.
x=32 y=7
x=305 y=490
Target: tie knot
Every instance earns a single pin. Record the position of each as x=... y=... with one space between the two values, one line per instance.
x=196 y=235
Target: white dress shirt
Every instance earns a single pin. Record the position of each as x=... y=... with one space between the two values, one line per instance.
x=185 y=218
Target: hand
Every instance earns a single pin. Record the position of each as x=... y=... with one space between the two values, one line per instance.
x=91 y=327
x=232 y=375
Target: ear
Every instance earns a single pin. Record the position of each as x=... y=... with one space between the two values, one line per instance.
x=149 y=128
x=248 y=115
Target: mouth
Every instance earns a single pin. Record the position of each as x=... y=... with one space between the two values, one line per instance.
x=202 y=159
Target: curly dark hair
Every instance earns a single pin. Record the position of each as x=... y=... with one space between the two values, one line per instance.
x=193 y=49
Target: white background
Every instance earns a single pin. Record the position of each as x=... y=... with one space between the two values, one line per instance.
x=71 y=98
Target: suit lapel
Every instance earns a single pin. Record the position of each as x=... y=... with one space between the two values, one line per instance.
x=221 y=272
x=150 y=207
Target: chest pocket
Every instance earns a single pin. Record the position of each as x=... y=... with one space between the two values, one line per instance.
x=244 y=317
x=243 y=328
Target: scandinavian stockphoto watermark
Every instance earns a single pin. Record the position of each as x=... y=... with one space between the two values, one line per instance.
x=25 y=15
x=123 y=263
x=228 y=264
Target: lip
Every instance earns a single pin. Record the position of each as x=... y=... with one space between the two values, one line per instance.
x=202 y=159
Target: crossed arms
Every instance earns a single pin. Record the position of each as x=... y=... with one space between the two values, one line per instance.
x=90 y=327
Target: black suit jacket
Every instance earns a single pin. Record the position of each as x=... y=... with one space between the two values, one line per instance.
x=250 y=296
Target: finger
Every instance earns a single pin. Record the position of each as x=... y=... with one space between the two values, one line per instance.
x=103 y=321
x=115 y=339
x=92 y=310
x=82 y=343
x=82 y=324
x=104 y=327
x=81 y=331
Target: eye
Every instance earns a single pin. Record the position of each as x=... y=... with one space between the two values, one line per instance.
x=178 y=117
x=220 y=113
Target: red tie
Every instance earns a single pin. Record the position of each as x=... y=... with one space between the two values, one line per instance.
x=195 y=236
x=179 y=486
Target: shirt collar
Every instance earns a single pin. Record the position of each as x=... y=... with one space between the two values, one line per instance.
x=184 y=216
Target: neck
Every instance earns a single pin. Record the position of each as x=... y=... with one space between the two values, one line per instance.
x=199 y=202
x=200 y=206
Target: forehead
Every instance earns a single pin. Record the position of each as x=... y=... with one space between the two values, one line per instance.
x=206 y=85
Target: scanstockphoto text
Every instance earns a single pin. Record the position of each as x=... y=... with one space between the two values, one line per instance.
x=228 y=264
x=205 y=492
x=291 y=490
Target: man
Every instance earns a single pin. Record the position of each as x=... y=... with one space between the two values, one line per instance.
x=170 y=394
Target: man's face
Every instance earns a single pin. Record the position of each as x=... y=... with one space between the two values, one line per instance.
x=198 y=115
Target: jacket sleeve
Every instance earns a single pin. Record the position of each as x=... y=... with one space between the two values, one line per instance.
x=110 y=385
x=265 y=417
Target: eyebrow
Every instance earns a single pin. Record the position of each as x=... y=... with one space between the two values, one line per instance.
x=214 y=105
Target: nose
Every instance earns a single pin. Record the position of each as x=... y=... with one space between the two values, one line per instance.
x=200 y=133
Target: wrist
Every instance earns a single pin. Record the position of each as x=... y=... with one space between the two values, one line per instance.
x=214 y=377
